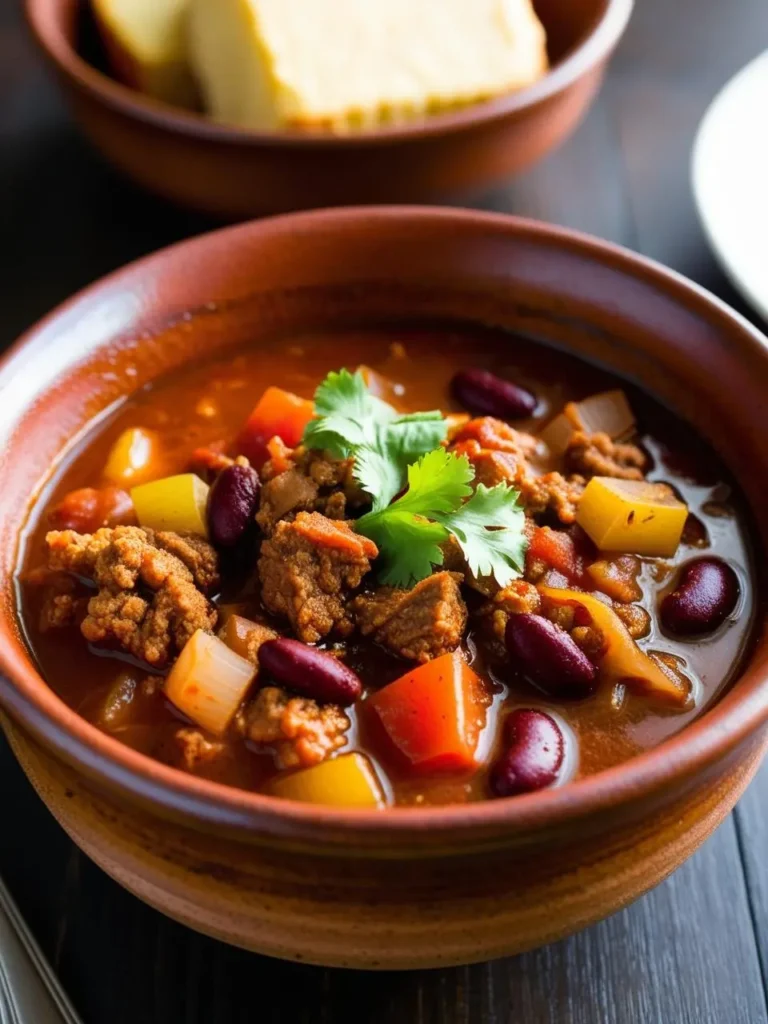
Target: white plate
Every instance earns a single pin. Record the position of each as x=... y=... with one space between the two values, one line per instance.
x=730 y=180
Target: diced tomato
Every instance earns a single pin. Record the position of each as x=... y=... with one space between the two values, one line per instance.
x=434 y=714
x=558 y=550
x=278 y=413
x=88 y=509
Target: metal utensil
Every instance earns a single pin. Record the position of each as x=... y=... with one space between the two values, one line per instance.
x=30 y=992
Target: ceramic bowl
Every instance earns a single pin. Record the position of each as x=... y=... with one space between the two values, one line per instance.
x=231 y=173
x=408 y=887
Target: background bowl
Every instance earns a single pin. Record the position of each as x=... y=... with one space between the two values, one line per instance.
x=410 y=887
x=233 y=173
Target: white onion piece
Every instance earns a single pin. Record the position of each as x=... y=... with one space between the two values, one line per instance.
x=605 y=413
x=209 y=681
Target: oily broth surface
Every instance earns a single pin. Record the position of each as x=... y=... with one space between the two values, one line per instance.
x=209 y=402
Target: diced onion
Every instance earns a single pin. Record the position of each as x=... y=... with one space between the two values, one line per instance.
x=209 y=681
x=605 y=413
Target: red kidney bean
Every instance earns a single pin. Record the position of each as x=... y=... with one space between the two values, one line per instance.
x=549 y=657
x=485 y=394
x=310 y=672
x=706 y=593
x=534 y=753
x=232 y=504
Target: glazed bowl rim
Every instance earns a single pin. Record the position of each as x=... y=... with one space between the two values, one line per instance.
x=589 y=53
x=737 y=715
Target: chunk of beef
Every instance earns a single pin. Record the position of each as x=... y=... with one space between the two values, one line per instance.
x=307 y=481
x=299 y=731
x=150 y=598
x=598 y=455
x=289 y=492
x=307 y=570
x=421 y=623
x=517 y=598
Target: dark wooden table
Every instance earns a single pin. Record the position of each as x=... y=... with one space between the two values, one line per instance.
x=694 y=950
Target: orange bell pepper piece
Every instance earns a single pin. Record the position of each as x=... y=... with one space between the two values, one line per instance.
x=277 y=413
x=433 y=715
x=622 y=661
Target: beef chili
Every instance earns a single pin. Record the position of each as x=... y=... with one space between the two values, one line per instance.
x=465 y=567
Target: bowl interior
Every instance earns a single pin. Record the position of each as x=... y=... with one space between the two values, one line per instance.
x=326 y=269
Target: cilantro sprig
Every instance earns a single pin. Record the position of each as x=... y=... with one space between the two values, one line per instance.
x=409 y=532
x=392 y=450
x=350 y=421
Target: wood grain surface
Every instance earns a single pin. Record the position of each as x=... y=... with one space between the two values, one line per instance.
x=694 y=951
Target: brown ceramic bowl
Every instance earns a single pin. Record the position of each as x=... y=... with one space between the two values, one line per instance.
x=406 y=887
x=232 y=173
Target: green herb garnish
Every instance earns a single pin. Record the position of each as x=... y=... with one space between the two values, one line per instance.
x=351 y=421
x=390 y=450
x=488 y=527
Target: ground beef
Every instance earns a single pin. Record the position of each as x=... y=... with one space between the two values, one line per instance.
x=598 y=455
x=307 y=570
x=553 y=493
x=298 y=730
x=421 y=623
x=196 y=749
x=496 y=435
x=59 y=610
x=150 y=598
x=501 y=454
x=517 y=598
x=312 y=482
x=492 y=467
x=325 y=472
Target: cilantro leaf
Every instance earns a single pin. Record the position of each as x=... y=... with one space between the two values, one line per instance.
x=438 y=482
x=349 y=420
x=409 y=547
x=346 y=415
x=380 y=468
x=408 y=542
x=490 y=531
x=391 y=450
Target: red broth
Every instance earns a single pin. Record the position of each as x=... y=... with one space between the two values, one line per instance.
x=208 y=403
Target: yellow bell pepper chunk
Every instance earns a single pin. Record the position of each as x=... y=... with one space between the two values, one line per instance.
x=174 y=503
x=346 y=781
x=133 y=457
x=632 y=516
x=622 y=660
x=209 y=681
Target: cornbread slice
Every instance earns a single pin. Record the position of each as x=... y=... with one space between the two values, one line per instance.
x=350 y=64
x=147 y=46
